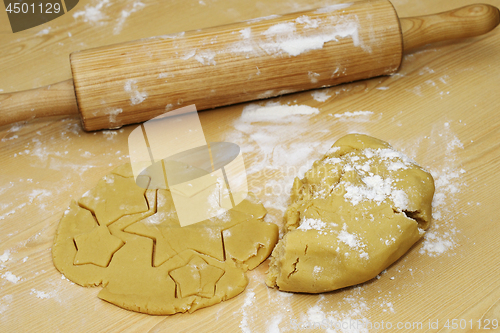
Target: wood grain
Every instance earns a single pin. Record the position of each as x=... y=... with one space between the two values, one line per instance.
x=442 y=94
x=136 y=81
x=52 y=100
x=462 y=22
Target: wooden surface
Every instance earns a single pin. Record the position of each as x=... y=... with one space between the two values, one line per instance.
x=440 y=108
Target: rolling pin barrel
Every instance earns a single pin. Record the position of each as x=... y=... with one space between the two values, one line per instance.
x=135 y=81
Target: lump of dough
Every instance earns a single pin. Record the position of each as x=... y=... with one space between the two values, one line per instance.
x=129 y=240
x=355 y=212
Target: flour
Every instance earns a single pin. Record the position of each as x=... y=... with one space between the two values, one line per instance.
x=361 y=116
x=308 y=224
x=296 y=37
x=282 y=37
x=313 y=77
x=125 y=13
x=206 y=57
x=307 y=22
x=449 y=182
x=113 y=113
x=273 y=324
x=249 y=300
x=43 y=32
x=10 y=138
x=320 y=96
x=352 y=240
x=5 y=302
x=136 y=97
x=349 y=239
x=351 y=320
x=5 y=256
x=377 y=189
x=274 y=111
x=93 y=13
x=11 y=277
x=109 y=134
x=40 y=294
x=268 y=139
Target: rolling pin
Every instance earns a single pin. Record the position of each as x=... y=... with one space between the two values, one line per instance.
x=135 y=81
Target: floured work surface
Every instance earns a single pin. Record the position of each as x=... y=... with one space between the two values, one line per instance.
x=355 y=212
x=440 y=109
x=129 y=240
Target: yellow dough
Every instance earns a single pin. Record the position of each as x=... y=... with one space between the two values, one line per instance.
x=129 y=240
x=355 y=212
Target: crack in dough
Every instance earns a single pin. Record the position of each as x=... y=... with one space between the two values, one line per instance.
x=356 y=211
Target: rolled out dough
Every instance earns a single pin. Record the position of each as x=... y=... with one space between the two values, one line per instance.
x=355 y=212
x=129 y=240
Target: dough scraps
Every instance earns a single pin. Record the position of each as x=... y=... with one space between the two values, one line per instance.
x=128 y=239
x=355 y=212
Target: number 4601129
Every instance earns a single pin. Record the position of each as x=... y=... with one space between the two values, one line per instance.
x=43 y=8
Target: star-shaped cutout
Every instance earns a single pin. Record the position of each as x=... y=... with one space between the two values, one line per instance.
x=114 y=197
x=197 y=278
x=170 y=238
x=96 y=247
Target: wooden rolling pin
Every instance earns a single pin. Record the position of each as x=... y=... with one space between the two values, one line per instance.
x=135 y=81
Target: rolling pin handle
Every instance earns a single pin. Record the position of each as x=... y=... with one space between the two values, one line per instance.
x=52 y=100
x=468 y=21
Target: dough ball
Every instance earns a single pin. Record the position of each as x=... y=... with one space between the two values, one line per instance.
x=129 y=240
x=355 y=212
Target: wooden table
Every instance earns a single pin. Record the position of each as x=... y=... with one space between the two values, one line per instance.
x=441 y=109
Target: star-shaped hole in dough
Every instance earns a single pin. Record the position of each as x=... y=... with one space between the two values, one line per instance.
x=197 y=278
x=96 y=247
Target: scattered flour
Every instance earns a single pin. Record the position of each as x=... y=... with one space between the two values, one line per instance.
x=5 y=256
x=125 y=13
x=246 y=33
x=351 y=320
x=249 y=299
x=274 y=111
x=10 y=277
x=282 y=37
x=43 y=32
x=136 y=97
x=109 y=134
x=275 y=160
x=5 y=302
x=320 y=96
x=449 y=182
x=361 y=115
x=40 y=294
x=93 y=13
x=113 y=112
x=273 y=324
